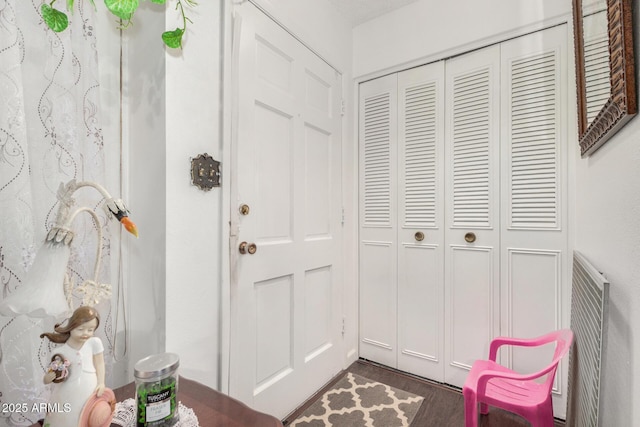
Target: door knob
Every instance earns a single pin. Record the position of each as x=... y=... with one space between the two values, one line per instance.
x=244 y=209
x=470 y=237
x=419 y=236
x=249 y=248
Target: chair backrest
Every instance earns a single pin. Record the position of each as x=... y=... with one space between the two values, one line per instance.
x=563 y=339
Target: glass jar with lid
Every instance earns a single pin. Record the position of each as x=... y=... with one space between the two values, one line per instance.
x=156 y=378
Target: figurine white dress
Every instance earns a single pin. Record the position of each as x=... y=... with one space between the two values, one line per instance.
x=84 y=352
x=68 y=397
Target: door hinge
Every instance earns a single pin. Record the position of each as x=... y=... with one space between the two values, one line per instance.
x=343 y=322
x=342 y=107
x=342 y=220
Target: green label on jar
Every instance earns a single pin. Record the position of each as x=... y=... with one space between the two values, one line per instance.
x=157 y=404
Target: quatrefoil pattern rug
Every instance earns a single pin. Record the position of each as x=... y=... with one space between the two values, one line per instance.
x=357 y=401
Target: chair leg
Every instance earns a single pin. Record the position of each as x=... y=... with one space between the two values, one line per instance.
x=545 y=415
x=484 y=408
x=470 y=409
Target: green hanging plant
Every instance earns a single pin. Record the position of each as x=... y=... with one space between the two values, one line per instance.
x=124 y=9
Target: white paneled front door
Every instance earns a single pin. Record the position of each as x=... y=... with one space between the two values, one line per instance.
x=286 y=315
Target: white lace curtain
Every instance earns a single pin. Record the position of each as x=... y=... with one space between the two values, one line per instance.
x=50 y=133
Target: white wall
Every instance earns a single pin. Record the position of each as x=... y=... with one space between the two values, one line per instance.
x=608 y=234
x=170 y=114
x=108 y=40
x=194 y=217
x=427 y=30
x=144 y=152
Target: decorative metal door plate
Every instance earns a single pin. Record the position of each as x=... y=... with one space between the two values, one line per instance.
x=205 y=172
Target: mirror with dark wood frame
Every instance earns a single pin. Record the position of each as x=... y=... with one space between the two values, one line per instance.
x=605 y=71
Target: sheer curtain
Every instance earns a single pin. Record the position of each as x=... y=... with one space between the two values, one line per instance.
x=50 y=133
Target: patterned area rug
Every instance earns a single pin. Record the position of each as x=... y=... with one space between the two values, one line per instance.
x=357 y=401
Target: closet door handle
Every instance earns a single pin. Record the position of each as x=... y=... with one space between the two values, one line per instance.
x=419 y=236
x=470 y=237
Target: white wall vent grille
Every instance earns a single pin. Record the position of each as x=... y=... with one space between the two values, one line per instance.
x=377 y=160
x=589 y=312
x=471 y=126
x=534 y=152
x=420 y=155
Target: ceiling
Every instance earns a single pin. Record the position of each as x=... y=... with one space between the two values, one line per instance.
x=359 y=11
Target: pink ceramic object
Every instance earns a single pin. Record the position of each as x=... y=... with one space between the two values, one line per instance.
x=489 y=383
x=98 y=411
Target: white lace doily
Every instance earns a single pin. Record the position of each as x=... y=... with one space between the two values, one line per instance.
x=125 y=415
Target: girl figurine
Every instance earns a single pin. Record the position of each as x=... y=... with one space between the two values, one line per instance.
x=83 y=354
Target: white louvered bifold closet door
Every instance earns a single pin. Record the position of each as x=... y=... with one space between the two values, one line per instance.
x=463 y=202
x=472 y=214
x=401 y=220
x=421 y=220
x=378 y=117
x=535 y=265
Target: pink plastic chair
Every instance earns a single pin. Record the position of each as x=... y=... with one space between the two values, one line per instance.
x=489 y=383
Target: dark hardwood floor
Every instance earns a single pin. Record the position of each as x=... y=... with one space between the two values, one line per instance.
x=443 y=406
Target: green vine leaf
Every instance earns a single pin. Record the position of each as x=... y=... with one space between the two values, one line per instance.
x=173 y=39
x=54 y=19
x=123 y=9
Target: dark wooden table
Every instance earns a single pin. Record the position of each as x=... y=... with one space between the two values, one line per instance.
x=213 y=409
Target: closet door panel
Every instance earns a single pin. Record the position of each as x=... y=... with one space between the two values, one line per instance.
x=377 y=302
x=378 y=219
x=471 y=290
x=534 y=244
x=419 y=328
x=472 y=214
x=421 y=228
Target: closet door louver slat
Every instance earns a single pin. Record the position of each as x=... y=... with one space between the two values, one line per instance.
x=420 y=156
x=533 y=145
x=377 y=170
x=471 y=121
